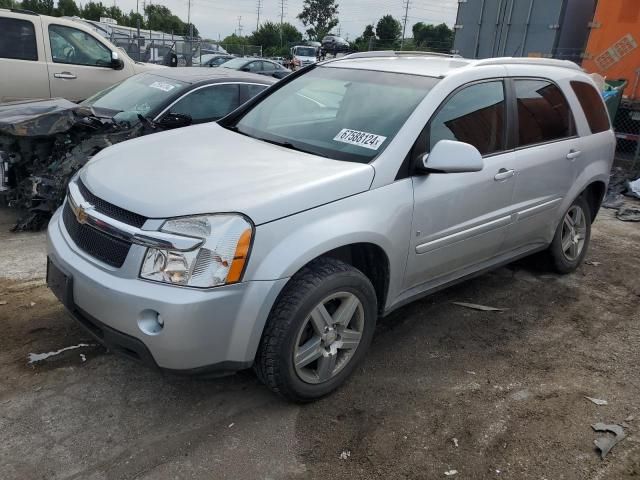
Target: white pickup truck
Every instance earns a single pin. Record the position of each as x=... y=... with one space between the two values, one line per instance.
x=44 y=57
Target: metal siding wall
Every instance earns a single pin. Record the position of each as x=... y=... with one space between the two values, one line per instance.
x=498 y=38
x=575 y=29
x=468 y=16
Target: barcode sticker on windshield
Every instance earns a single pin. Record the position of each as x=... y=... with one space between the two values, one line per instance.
x=361 y=139
x=165 y=87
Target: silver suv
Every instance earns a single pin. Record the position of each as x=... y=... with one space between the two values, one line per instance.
x=275 y=238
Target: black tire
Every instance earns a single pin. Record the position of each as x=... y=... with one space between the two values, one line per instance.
x=274 y=363
x=557 y=257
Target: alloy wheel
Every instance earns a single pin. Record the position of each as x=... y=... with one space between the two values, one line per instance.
x=328 y=338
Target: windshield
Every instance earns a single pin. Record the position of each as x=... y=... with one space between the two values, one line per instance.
x=305 y=51
x=338 y=113
x=138 y=95
x=236 y=63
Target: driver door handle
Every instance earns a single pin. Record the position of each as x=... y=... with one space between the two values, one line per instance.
x=504 y=174
x=573 y=154
x=65 y=75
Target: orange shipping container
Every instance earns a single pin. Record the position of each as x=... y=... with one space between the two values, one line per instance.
x=613 y=49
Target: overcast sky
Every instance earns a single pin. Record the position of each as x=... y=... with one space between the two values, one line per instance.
x=220 y=17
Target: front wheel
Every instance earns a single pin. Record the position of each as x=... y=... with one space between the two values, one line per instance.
x=318 y=331
x=571 y=241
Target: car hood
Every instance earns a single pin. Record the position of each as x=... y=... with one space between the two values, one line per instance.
x=208 y=169
x=141 y=67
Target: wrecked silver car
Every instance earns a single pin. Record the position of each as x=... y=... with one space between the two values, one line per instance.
x=43 y=143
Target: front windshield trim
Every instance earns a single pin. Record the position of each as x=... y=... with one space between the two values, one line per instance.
x=232 y=121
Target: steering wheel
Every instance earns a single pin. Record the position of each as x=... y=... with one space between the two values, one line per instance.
x=69 y=53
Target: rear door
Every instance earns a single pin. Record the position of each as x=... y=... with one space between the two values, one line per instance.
x=460 y=219
x=547 y=147
x=79 y=63
x=23 y=64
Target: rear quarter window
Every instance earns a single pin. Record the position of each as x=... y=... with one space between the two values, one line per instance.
x=592 y=106
x=17 y=39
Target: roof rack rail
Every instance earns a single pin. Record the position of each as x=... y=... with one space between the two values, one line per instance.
x=395 y=53
x=542 y=62
x=26 y=12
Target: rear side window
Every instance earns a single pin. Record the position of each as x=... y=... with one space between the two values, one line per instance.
x=17 y=39
x=474 y=115
x=593 y=107
x=543 y=113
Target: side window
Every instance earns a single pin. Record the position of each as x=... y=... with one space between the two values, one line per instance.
x=17 y=39
x=543 y=113
x=255 y=66
x=593 y=106
x=219 y=61
x=251 y=90
x=474 y=115
x=209 y=103
x=73 y=46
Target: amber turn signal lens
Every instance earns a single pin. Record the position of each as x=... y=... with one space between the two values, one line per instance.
x=240 y=257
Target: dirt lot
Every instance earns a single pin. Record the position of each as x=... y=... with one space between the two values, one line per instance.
x=510 y=387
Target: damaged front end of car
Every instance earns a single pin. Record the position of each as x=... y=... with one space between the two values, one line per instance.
x=43 y=144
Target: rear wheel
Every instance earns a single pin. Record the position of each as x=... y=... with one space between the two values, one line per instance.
x=318 y=331
x=571 y=241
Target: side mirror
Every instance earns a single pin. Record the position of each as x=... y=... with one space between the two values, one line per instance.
x=449 y=156
x=116 y=61
x=245 y=69
x=175 y=120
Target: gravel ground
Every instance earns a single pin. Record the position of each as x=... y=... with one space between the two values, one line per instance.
x=509 y=387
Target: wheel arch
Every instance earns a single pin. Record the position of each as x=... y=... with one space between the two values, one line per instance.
x=594 y=195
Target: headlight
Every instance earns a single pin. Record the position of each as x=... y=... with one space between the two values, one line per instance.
x=219 y=261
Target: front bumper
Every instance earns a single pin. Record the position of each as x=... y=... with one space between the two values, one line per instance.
x=204 y=330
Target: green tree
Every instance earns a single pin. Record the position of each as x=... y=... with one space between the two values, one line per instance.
x=389 y=31
x=234 y=39
x=67 y=8
x=319 y=17
x=132 y=20
x=438 y=37
x=44 y=7
x=365 y=41
x=9 y=4
x=268 y=36
x=93 y=11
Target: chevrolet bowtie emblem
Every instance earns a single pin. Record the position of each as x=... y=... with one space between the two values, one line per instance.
x=81 y=212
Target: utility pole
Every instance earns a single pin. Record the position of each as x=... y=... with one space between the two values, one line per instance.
x=281 y=21
x=404 y=26
x=240 y=26
x=189 y=19
x=259 y=7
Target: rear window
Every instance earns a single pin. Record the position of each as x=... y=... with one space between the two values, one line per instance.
x=17 y=39
x=543 y=113
x=593 y=106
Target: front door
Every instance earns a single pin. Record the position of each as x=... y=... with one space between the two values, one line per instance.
x=79 y=64
x=460 y=219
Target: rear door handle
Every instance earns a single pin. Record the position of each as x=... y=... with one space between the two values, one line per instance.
x=65 y=75
x=573 y=154
x=504 y=174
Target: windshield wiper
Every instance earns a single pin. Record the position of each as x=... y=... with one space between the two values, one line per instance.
x=289 y=145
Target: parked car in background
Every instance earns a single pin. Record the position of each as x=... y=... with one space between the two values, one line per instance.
x=260 y=66
x=45 y=142
x=334 y=44
x=43 y=57
x=350 y=190
x=211 y=60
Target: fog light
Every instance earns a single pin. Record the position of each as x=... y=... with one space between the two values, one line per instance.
x=150 y=322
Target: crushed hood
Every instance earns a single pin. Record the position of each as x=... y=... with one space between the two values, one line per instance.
x=208 y=169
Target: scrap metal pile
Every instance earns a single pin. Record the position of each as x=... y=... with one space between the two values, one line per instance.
x=43 y=144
